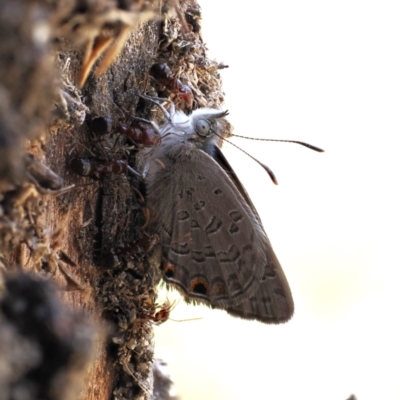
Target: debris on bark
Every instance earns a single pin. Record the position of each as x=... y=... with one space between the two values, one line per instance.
x=62 y=65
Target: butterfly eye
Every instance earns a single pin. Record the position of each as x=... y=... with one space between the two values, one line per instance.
x=203 y=128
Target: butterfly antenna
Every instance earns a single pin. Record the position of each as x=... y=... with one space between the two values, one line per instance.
x=310 y=146
x=266 y=168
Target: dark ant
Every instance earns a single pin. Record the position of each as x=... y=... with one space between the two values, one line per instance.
x=162 y=74
x=93 y=167
x=90 y=167
x=137 y=131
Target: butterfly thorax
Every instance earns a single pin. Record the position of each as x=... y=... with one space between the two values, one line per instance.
x=183 y=135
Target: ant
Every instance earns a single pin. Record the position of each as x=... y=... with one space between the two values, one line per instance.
x=161 y=313
x=137 y=131
x=102 y=126
x=92 y=167
x=162 y=74
x=143 y=132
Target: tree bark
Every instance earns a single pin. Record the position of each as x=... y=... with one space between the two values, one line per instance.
x=91 y=238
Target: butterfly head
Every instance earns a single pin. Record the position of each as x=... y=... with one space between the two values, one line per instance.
x=204 y=122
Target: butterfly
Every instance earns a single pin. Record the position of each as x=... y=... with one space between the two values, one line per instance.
x=214 y=249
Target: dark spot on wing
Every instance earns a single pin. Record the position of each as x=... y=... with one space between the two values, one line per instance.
x=199 y=205
x=199 y=286
x=235 y=215
x=213 y=226
x=233 y=228
x=182 y=215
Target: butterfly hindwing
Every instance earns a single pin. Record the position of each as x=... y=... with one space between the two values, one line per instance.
x=213 y=246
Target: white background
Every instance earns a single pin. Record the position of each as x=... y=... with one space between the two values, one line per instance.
x=325 y=72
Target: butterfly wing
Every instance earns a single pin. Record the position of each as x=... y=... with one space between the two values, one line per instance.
x=219 y=157
x=214 y=248
x=274 y=309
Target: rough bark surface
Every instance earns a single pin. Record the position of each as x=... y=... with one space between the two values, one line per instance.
x=91 y=238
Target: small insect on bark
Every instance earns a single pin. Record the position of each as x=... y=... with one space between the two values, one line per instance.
x=88 y=167
x=162 y=74
x=141 y=131
x=161 y=313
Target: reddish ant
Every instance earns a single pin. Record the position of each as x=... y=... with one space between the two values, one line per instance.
x=146 y=136
x=163 y=313
x=137 y=131
x=162 y=74
x=87 y=167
